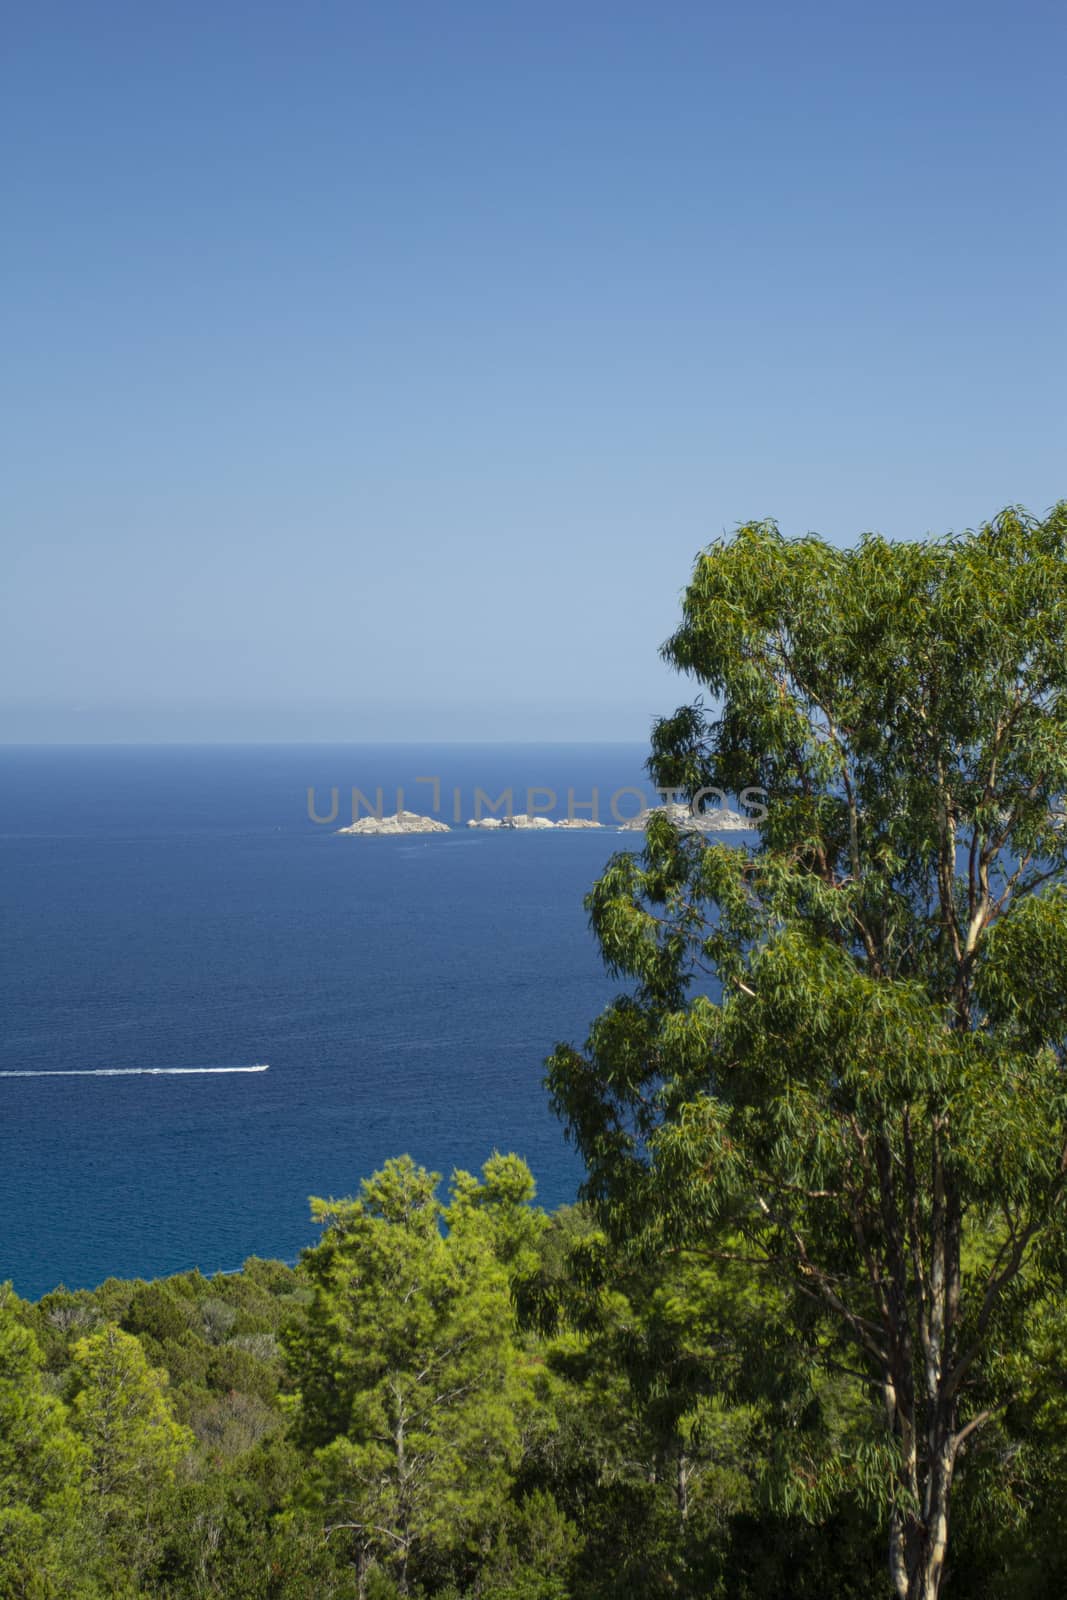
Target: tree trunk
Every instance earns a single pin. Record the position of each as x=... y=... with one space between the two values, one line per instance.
x=926 y=1583
x=918 y=1541
x=681 y=1488
x=402 y=1481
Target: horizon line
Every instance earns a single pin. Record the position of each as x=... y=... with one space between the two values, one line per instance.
x=273 y=744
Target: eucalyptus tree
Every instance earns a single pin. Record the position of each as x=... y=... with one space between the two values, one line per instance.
x=840 y=1057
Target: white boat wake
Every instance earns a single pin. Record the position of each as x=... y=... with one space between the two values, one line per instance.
x=128 y=1072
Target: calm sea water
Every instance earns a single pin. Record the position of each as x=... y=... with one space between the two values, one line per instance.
x=175 y=907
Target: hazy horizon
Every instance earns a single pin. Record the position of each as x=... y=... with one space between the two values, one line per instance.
x=405 y=744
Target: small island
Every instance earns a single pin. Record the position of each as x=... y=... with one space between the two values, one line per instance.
x=520 y=820
x=721 y=821
x=399 y=822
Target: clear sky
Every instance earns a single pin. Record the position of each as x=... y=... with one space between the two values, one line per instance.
x=376 y=370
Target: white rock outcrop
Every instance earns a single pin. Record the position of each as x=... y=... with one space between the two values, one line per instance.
x=578 y=822
x=519 y=820
x=722 y=821
x=399 y=822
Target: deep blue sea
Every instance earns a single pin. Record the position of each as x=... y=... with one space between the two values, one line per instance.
x=175 y=906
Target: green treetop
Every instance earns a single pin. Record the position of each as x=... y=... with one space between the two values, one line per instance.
x=121 y=1411
x=409 y=1381
x=42 y=1466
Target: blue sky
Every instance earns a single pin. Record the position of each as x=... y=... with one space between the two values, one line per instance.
x=376 y=371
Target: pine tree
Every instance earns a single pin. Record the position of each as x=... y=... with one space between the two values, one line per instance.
x=408 y=1376
x=120 y=1410
x=42 y=1466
